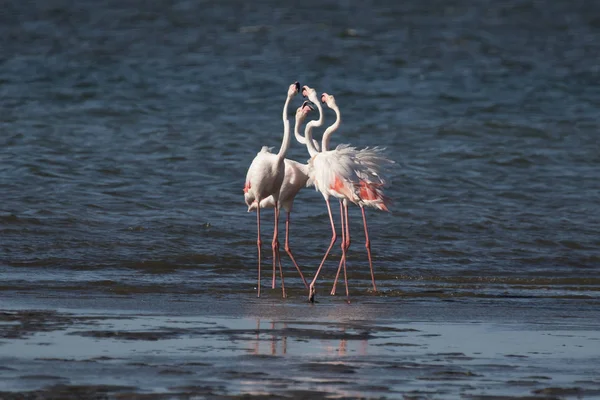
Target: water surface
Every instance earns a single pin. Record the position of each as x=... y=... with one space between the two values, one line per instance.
x=127 y=128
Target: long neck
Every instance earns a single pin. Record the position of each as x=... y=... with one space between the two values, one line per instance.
x=308 y=130
x=331 y=129
x=301 y=139
x=285 y=144
x=308 y=140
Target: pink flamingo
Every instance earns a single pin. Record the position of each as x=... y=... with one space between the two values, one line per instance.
x=345 y=173
x=295 y=178
x=264 y=178
x=370 y=188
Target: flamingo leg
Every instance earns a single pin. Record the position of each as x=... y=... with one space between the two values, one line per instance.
x=343 y=259
x=347 y=246
x=258 y=244
x=368 y=246
x=281 y=274
x=311 y=296
x=289 y=251
x=275 y=243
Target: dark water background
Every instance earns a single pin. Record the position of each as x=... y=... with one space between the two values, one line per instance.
x=126 y=129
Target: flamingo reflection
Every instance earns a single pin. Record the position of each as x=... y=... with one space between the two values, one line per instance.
x=277 y=332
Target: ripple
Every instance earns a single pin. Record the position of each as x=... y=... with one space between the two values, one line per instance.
x=12 y=219
x=124 y=149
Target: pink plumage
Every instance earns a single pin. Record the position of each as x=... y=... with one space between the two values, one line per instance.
x=348 y=174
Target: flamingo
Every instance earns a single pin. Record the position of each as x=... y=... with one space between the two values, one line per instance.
x=295 y=178
x=370 y=187
x=343 y=202
x=264 y=178
x=346 y=174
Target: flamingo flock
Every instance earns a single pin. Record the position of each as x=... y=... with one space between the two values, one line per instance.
x=351 y=175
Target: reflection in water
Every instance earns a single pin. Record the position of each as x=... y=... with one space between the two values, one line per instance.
x=450 y=360
x=340 y=349
x=278 y=332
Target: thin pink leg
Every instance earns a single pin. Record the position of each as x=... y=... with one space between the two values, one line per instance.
x=258 y=244
x=311 y=295
x=343 y=259
x=275 y=243
x=368 y=246
x=276 y=250
x=281 y=274
x=347 y=229
x=289 y=251
x=347 y=246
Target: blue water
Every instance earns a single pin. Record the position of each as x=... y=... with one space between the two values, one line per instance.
x=126 y=129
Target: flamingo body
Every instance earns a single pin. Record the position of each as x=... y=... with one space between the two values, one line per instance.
x=332 y=173
x=295 y=178
x=264 y=178
x=371 y=181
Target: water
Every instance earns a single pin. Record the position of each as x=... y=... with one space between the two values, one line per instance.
x=126 y=130
x=358 y=359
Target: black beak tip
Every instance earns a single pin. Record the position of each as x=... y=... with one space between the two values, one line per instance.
x=309 y=104
x=297 y=85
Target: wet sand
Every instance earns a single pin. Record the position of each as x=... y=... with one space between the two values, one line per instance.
x=269 y=348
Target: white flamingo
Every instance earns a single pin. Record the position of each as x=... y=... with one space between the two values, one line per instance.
x=264 y=178
x=295 y=178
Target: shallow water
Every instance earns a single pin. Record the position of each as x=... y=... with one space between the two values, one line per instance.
x=324 y=354
x=127 y=128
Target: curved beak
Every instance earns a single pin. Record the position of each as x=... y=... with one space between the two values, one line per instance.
x=308 y=104
x=297 y=86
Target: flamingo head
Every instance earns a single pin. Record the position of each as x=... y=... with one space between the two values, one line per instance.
x=294 y=89
x=328 y=99
x=310 y=93
x=303 y=110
